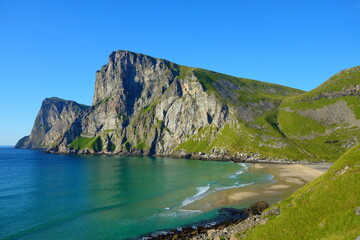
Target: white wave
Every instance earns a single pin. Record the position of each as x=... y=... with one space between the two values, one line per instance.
x=200 y=194
x=244 y=168
x=167 y=215
x=186 y=211
x=210 y=224
x=237 y=185
x=236 y=174
x=158 y=233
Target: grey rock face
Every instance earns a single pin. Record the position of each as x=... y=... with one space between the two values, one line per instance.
x=142 y=107
x=54 y=117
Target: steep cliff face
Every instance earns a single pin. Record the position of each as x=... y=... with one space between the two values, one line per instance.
x=145 y=105
x=54 y=117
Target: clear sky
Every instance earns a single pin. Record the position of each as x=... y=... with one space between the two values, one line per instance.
x=53 y=48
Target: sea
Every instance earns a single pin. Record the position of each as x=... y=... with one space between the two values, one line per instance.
x=52 y=196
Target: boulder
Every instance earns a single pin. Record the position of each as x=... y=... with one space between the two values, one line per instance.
x=257 y=208
x=273 y=211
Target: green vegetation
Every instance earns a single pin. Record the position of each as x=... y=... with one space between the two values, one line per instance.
x=141 y=146
x=80 y=143
x=87 y=143
x=248 y=90
x=110 y=146
x=297 y=125
x=306 y=120
x=148 y=108
x=239 y=137
x=104 y=100
x=207 y=79
x=259 y=133
x=97 y=145
x=184 y=71
x=343 y=80
x=199 y=142
x=322 y=209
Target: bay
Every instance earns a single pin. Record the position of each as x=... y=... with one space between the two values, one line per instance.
x=48 y=196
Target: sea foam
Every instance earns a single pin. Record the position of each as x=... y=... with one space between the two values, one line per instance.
x=200 y=194
x=236 y=185
x=244 y=168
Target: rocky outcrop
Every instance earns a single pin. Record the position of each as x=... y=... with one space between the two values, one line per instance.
x=229 y=223
x=257 y=208
x=55 y=116
x=142 y=106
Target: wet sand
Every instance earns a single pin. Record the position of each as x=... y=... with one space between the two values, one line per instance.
x=287 y=178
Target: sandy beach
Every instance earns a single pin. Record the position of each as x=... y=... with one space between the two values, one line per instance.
x=287 y=178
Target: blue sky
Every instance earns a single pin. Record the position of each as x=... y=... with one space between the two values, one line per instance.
x=53 y=48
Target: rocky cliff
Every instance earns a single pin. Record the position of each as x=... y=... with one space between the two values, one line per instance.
x=144 y=105
x=54 y=118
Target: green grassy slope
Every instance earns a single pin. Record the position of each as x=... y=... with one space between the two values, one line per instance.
x=322 y=209
x=87 y=143
x=254 y=129
x=247 y=90
x=326 y=120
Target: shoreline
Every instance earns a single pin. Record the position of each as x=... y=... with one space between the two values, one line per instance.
x=238 y=157
x=287 y=178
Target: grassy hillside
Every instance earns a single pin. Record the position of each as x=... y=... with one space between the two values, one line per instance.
x=322 y=209
x=254 y=129
x=325 y=121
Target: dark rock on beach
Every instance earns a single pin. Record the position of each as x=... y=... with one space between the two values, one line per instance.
x=228 y=222
x=226 y=217
x=257 y=208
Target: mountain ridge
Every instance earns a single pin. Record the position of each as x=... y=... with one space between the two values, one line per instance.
x=150 y=106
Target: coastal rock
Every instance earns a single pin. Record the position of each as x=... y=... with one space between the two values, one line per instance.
x=232 y=214
x=54 y=118
x=258 y=207
x=272 y=211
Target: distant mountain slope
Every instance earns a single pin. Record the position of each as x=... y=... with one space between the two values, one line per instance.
x=325 y=121
x=326 y=208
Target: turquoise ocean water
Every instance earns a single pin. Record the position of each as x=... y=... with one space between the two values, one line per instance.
x=48 y=196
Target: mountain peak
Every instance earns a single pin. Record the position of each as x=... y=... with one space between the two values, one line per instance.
x=150 y=106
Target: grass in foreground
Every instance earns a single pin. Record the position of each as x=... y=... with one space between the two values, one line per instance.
x=322 y=209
